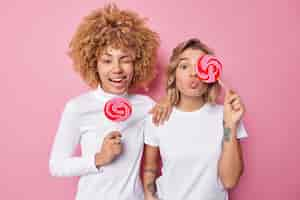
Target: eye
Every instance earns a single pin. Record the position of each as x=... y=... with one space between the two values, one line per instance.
x=183 y=66
x=106 y=61
x=126 y=60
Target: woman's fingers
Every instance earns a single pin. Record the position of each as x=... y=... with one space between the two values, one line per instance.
x=165 y=112
x=113 y=134
x=236 y=102
x=116 y=145
x=164 y=115
x=113 y=138
x=117 y=149
x=160 y=113
x=232 y=98
x=116 y=141
x=236 y=107
x=152 y=110
x=155 y=115
x=169 y=113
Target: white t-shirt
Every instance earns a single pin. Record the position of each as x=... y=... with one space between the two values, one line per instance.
x=190 y=145
x=83 y=122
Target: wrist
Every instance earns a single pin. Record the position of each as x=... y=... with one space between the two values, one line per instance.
x=149 y=196
x=230 y=125
x=99 y=160
x=150 y=189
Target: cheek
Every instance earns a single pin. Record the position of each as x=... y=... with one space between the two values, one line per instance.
x=102 y=71
x=181 y=82
x=182 y=78
x=128 y=69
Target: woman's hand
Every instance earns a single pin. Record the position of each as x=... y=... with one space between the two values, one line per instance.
x=233 y=109
x=161 y=111
x=110 y=149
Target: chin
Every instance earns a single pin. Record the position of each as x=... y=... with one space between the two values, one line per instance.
x=193 y=93
x=118 y=90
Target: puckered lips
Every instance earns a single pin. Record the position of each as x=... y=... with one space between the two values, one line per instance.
x=193 y=84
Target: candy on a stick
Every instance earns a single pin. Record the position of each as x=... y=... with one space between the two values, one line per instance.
x=209 y=68
x=118 y=109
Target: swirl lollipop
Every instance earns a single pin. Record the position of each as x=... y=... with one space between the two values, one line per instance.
x=118 y=109
x=209 y=68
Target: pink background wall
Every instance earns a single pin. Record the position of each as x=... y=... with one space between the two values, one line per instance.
x=256 y=39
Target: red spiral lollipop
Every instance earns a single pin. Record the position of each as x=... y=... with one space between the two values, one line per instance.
x=118 y=109
x=209 y=68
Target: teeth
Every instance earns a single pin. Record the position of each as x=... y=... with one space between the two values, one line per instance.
x=117 y=79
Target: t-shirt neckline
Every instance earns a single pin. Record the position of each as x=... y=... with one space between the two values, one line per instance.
x=202 y=109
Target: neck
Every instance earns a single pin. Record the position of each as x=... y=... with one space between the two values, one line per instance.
x=105 y=95
x=189 y=104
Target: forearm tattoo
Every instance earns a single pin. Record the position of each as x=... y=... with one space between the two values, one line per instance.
x=226 y=133
x=151 y=187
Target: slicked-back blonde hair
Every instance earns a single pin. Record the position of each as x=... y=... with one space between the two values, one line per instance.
x=112 y=27
x=213 y=89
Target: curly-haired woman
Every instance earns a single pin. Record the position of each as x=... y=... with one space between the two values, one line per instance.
x=113 y=51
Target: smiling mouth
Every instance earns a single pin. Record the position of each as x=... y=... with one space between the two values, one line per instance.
x=117 y=80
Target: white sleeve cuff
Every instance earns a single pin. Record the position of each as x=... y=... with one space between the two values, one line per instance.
x=92 y=165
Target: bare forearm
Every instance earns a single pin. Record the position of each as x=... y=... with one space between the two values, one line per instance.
x=150 y=172
x=231 y=162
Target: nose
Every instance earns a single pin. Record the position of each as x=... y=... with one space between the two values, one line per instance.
x=117 y=68
x=193 y=72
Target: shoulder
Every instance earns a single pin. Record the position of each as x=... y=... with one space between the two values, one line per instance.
x=76 y=103
x=150 y=127
x=142 y=99
x=215 y=108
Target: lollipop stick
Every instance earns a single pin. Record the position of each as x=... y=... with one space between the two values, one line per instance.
x=222 y=84
x=121 y=126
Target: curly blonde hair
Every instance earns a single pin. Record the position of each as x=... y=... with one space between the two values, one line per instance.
x=112 y=27
x=173 y=93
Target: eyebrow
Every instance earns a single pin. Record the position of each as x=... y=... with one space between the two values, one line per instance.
x=107 y=54
x=184 y=58
x=123 y=56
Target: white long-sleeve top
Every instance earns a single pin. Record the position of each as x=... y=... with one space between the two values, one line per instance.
x=83 y=122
